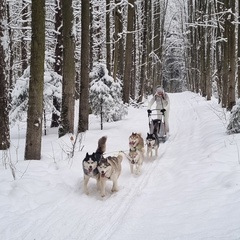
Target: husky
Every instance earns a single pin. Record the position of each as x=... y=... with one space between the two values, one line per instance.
x=90 y=163
x=152 y=142
x=135 y=158
x=136 y=142
x=109 y=169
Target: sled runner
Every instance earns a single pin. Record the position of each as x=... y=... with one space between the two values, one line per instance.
x=157 y=125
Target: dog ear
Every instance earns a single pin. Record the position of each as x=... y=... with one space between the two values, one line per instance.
x=87 y=155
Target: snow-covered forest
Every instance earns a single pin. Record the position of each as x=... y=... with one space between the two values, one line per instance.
x=110 y=53
x=51 y=48
x=72 y=71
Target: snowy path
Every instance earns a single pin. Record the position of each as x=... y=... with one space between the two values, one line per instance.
x=189 y=192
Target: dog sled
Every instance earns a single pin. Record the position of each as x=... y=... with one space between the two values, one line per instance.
x=156 y=119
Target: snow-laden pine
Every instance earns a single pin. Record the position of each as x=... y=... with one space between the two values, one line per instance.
x=106 y=95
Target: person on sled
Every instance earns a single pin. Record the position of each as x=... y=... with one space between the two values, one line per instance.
x=162 y=105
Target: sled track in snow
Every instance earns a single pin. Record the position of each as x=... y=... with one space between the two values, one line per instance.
x=137 y=184
x=100 y=219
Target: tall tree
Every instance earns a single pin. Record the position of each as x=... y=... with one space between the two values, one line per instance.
x=128 y=52
x=68 y=82
x=156 y=46
x=232 y=57
x=208 y=53
x=58 y=58
x=238 y=54
x=84 y=86
x=24 y=37
x=118 y=42
x=108 y=45
x=4 y=130
x=225 y=55
x=36 y=83
x=144 y=52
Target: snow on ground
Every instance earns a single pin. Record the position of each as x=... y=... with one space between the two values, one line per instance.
x=190 y=192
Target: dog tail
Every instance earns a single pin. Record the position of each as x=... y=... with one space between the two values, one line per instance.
x=120 y=157
x=101 y=145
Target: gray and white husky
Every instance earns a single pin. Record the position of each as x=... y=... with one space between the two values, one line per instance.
x=90 y=163
x=152 y=142
x=135 y=158
x=109 y=169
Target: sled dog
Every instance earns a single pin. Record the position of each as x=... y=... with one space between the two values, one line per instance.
x=135 y=158
x=136 y=142
x=90 y=163
x=109 y=169
x=152 y=142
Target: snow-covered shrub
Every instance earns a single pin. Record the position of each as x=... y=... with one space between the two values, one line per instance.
x=52 y=88
x=105 y=95
x=234 y=120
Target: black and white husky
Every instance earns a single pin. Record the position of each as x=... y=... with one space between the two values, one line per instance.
x=109 y=169
x=152 y=142
x=90 y=163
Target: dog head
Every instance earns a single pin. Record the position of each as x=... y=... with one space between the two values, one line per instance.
x=104 y=167
x=135 y=139
x=90 y=163
x=133 y=156
x=151 y=139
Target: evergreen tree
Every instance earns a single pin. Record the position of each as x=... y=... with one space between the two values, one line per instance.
x=52 y=90
x=105 y=95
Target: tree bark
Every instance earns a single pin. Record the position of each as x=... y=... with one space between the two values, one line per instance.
x=232 y=58
x=36 y=83
x=58 y=58
x=4 y=89
x=84 y=87
x=128 y=53
x=68 y=82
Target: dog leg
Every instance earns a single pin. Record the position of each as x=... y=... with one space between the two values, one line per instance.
x=98 y=184
x=85 y=183
x=131 y=167
x=156 y=152
x=102 y=186
x=139 y=168
x=115 y=186
x=148 y=152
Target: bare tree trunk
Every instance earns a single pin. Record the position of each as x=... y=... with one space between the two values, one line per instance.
x=225 y=58
x=23 y=40
x=35 y=104
x=11 y=54
x=4 y=89
x=68 y=82
x=238 y=85
x=117 y=20
x=219 y=55
x=91 y=35
x=128 y=53
x=208 y=54
x=149 y=47
x=58 y=57
x=118 y=58
x=144 y=53
x=108 y=45
x=156 y=46
x=232 y=58
x=84 y=87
